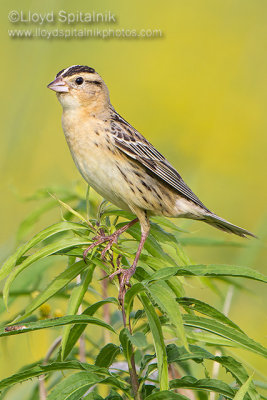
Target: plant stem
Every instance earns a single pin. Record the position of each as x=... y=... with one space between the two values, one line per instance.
x=226 y=309
x=106 y=315
x=82 y=350
x=131 y=362
x=134 y=379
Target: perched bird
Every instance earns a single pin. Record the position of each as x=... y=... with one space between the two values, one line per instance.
x=120 y=164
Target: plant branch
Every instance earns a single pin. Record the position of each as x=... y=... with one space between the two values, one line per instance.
x=52 y=348
x=131 y=362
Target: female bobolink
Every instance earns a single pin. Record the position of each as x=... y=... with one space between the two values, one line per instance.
x=120 y=164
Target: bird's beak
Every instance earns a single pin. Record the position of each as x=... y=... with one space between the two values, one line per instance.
x=59 y=86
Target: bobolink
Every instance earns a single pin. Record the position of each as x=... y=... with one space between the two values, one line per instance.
x=119 y=163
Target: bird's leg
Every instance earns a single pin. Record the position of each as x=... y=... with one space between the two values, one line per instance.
x=126 y=274
x=111 y=239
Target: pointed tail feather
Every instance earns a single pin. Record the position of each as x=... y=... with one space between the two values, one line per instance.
x=220 y=223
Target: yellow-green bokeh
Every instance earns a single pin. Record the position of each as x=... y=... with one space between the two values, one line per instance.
x=199 y=94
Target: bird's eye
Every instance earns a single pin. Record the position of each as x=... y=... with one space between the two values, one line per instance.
x=79 y=80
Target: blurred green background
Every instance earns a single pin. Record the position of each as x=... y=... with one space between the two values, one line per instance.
x=198 y=93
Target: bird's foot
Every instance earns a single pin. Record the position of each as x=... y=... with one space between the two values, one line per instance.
x=124 y=276
x=99 y=239
x=111 y=239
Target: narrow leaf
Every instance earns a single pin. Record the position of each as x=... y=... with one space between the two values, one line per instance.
x=211 y=385
x=42 y=253
x=107 y=355
x=221 y=270
x=71 y=210
x=156 y=331
x=198 y=354
x=167 y=303
x=51 y=323
x=241 y=339
x=78 y=329
x=55 y=286
x=138 y=339
x=74 y=386
x=126 y=344
x=76 y=298
x=204 y=308
x=39 y=237
x=168 y=223
x=130 y=295
x=243 y=389
x=44 y=369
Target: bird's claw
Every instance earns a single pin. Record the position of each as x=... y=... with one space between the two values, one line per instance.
x=124 y=276
x=111 y=239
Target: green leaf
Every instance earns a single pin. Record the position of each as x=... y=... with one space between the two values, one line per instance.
x=107 y=355
x=78 y=329
x=138 y=339
x=243 y=389
x=208 y=338
x=198 y=354
x=156 y=331
x=162 y=236
x=51 y=323
x=71 y=210
x=241 y=339
x=130 y=295
x=163 y=274
x=157 y=265
x=74 y=386
x=57 y=284
x=179 y=353
x=44 y=234
x=119 y=213
x=76 y=298
x=211 y=385
x=238 y=371
x=154 y=263
x=41 y=253
x=38 y=370
x=168 y=223
x=221 y=270
x=166 y=301
x=166 y=394
x=126 y=344
x=206 y=309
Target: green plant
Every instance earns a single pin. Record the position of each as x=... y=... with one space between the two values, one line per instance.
x=152 y=346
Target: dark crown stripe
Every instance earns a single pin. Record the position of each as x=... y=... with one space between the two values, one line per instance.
x=76 y=69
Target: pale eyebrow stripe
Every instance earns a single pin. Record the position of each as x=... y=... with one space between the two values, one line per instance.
x=65 y=70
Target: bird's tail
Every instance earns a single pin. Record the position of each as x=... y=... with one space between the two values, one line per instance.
x=220 y=223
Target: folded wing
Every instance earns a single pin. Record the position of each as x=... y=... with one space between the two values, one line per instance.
x=134 y=145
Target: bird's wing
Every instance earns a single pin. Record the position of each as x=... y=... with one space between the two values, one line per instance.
x=132 y=143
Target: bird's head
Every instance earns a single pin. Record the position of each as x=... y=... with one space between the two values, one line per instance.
x=80 y=86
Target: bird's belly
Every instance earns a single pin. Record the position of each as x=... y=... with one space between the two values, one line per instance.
x=98 y=167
